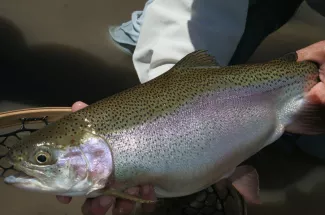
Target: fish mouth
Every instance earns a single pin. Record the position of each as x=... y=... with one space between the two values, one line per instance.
x=19 y=178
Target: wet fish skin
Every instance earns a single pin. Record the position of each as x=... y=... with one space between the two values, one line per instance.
x=181 y=132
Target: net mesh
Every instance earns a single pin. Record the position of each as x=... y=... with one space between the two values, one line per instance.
x=8 y=139
x=215 y=200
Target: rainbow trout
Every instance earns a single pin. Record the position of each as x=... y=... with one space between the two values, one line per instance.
x=181 y=132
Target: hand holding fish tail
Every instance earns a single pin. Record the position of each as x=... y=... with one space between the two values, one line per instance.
x=100 y=205
x=316 y=53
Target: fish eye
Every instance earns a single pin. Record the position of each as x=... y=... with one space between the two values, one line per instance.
x=42 y=157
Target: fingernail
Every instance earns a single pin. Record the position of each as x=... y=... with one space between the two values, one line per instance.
x=105 y=201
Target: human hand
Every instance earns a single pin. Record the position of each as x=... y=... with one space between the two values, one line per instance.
x=315 y=53
x=100 y=205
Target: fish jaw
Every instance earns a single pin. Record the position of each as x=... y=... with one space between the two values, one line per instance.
x=26 y=182
x=29 y=179
x=78 y=170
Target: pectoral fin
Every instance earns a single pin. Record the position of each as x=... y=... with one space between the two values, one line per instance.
x=122 y=195
x=245 y=179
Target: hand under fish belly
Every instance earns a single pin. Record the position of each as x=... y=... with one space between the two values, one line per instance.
x=180 y=132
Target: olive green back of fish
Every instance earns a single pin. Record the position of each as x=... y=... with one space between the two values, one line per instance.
x=195 y=75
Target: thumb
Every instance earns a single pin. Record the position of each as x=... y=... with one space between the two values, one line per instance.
x=78 y=105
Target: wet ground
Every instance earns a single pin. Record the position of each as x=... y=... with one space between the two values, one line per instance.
x=52 y=49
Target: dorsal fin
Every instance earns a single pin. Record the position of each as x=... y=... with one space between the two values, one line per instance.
x=196 y=59
x=289 y=57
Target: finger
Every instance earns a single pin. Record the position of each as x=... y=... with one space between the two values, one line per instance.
x=317 y=93
x=86 y=207
x=322 y=73
x=64 y=199
x=314 y=52
x=124 y=206
x=147 y=192
x=97 y=206
x=100 y=205
x=78 y=105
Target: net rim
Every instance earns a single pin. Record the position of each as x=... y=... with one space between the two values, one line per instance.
x=14 y=117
